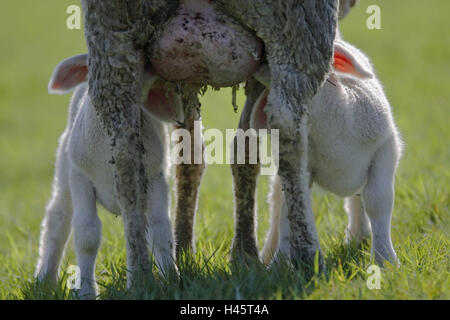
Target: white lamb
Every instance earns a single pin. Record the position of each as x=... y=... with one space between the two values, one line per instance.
x=354 y=150
x=84 y=177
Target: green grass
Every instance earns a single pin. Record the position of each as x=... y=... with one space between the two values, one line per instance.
x=411 y=54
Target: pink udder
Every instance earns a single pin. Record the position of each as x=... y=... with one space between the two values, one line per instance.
x=199 y=48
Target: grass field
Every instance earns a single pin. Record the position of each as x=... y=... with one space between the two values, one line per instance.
x=412 y=56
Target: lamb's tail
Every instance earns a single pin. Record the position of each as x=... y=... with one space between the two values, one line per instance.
x=276 y=202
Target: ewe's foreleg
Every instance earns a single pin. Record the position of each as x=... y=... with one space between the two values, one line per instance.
x=245 y=178
x=188 y=179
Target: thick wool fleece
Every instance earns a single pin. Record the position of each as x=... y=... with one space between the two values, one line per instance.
x=298 y=37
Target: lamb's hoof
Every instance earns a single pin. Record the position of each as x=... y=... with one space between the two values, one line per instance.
x=358 y=243
x=47 y=280
x=170 y=273
x=383 y=261
x=87 y=292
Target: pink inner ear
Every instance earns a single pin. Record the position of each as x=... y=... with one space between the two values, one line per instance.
x=343 y=64
x=70 y=77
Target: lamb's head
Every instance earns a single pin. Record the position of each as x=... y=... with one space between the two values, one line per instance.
x=158 y=98
x=348 y=62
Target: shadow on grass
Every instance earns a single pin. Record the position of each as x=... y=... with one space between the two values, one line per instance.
x=214 y=277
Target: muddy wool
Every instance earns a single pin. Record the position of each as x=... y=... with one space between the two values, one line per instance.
x=201 y=46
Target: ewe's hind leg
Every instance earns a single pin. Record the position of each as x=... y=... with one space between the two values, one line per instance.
x=378 y=199
x=187 y=184
x=291 y=120
x=56 y=226
x=358 y=227
x=87 y=232
x=245 y=178
x=159 y=233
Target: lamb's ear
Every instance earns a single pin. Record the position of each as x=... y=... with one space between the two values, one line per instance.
x=68 y=74
x=164 y=104
x=347 y=61
x=258 y=118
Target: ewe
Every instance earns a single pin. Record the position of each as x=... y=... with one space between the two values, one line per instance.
x=298 y=43
x=84 y=176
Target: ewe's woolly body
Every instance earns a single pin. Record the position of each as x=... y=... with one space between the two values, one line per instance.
x=298 y=38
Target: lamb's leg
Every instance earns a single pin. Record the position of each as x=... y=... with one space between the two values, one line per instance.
x=358 y=223
x=245 y=178
x=160 y=237
x=378 y=199
x=276 y=202
x=188 y=179
x=56 y=225
x=87 y=229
